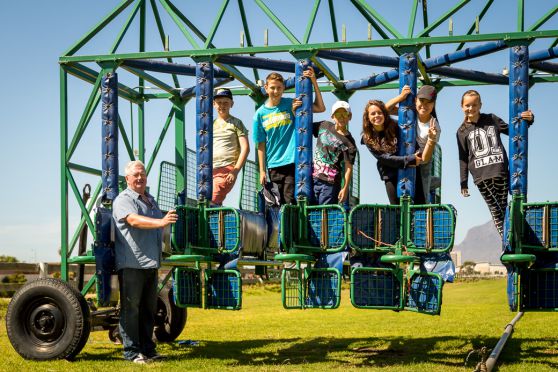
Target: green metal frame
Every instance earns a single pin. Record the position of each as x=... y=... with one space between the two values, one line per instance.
x=202 y=46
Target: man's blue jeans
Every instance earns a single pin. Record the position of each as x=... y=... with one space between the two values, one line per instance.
x=138 y=306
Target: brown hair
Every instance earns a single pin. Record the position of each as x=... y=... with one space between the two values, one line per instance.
x=275 y=76
x=384 y=141
x=471 y=92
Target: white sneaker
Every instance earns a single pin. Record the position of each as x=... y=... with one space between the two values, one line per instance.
x=140 y=359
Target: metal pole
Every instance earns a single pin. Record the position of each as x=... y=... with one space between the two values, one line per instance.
x=491 y=361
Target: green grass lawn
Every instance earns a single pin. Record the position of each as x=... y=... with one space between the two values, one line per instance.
x=265 y=337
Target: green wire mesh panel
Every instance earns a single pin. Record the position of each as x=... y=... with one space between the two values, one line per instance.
x=323 y=288
x=539 y=289
x=224 y=229
x=355 y=184
x=190 y=180
x=374 y=228
x=326 y=227
x=223 y=289
x=166 y=194
x=185 y=230
x=289 y=226
x=540 y=229
x=375 y=288
x=250 y=187
x=432 y=228
x=424 y=293
x=436 y=173
x=187 y=287
x=292 y=288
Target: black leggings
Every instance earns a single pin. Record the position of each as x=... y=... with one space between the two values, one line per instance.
x=495 y=194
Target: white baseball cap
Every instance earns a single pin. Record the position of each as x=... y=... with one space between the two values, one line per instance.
x=340 y=104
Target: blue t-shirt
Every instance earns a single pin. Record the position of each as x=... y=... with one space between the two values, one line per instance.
x=275 y=126
x=136 y=248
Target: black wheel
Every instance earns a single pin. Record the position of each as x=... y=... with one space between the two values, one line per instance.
x=48 y=319
x=170 y=319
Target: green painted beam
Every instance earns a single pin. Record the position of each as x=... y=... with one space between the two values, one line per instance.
x=178 y=17
x=216 y=24
x=125 y=27
x=442 y=18
x=412 y=19
x=90 y=205
x=311 y=21
x=379 y=18
x=160 y=141
x=89 y=75
x=335 y=36
x=247 y=33
x=125 y=139
x=543 y=19
x=63 y=180
x=480 y=16
x=98 y=27
x=151 y=79
x=370 y=19
x=162 y=35
x=292 y=38
x=79 y=201
x=520 y=15
x=419 y=42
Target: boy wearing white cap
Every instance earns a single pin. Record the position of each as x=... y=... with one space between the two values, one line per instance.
x=335 y=150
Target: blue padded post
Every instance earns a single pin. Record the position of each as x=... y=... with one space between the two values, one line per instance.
x=518 y=134
x=109 y=133
x=407 y=123
x=303 y=133
x=204 y=130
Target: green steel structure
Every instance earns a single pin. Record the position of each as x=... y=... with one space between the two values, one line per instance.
x=199 y=26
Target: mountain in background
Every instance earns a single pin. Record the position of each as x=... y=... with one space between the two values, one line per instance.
x=481 y=244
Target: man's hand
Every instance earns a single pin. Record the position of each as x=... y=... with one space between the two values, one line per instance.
x=297 y=102
x=465 y=192
x=528 y=115
x=309 y=73
x=169 y=218
x=262 y=178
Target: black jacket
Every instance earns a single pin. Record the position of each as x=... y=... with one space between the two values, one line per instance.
x=481 y=151
x=388 y=164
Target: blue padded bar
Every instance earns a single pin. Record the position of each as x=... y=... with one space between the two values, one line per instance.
x=303 y=133
x=204 y=130
x=464 y=54
x=518 y=134
x=407 y=123
x=459 y=73
x=168 y=68
x=103 y=249
x=549 y=67
x=109 y=133
x=359 y=58
x=255 y=62
x=190 y=92
x=372 y=81
x=544 y=54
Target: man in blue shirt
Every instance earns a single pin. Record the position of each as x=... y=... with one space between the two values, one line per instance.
x=139 y=224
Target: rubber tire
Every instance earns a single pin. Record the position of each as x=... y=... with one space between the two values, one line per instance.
x=170 y=319
x=60 y=303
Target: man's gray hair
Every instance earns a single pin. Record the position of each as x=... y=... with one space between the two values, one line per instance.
x=131 y=165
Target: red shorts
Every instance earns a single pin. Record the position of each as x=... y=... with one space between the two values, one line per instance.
x=220 y=186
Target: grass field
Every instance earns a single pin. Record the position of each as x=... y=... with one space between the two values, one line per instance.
x=265 y=337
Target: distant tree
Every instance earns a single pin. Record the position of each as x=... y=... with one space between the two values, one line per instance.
x=8 y=259
x=468 y=268
x=14 y=278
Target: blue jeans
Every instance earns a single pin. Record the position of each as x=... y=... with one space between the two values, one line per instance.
x=138 y=306
x=326 y=193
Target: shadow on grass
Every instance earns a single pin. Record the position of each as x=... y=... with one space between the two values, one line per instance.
x=447 y=351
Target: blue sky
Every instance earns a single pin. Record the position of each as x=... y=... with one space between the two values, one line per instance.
x=33 y=34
